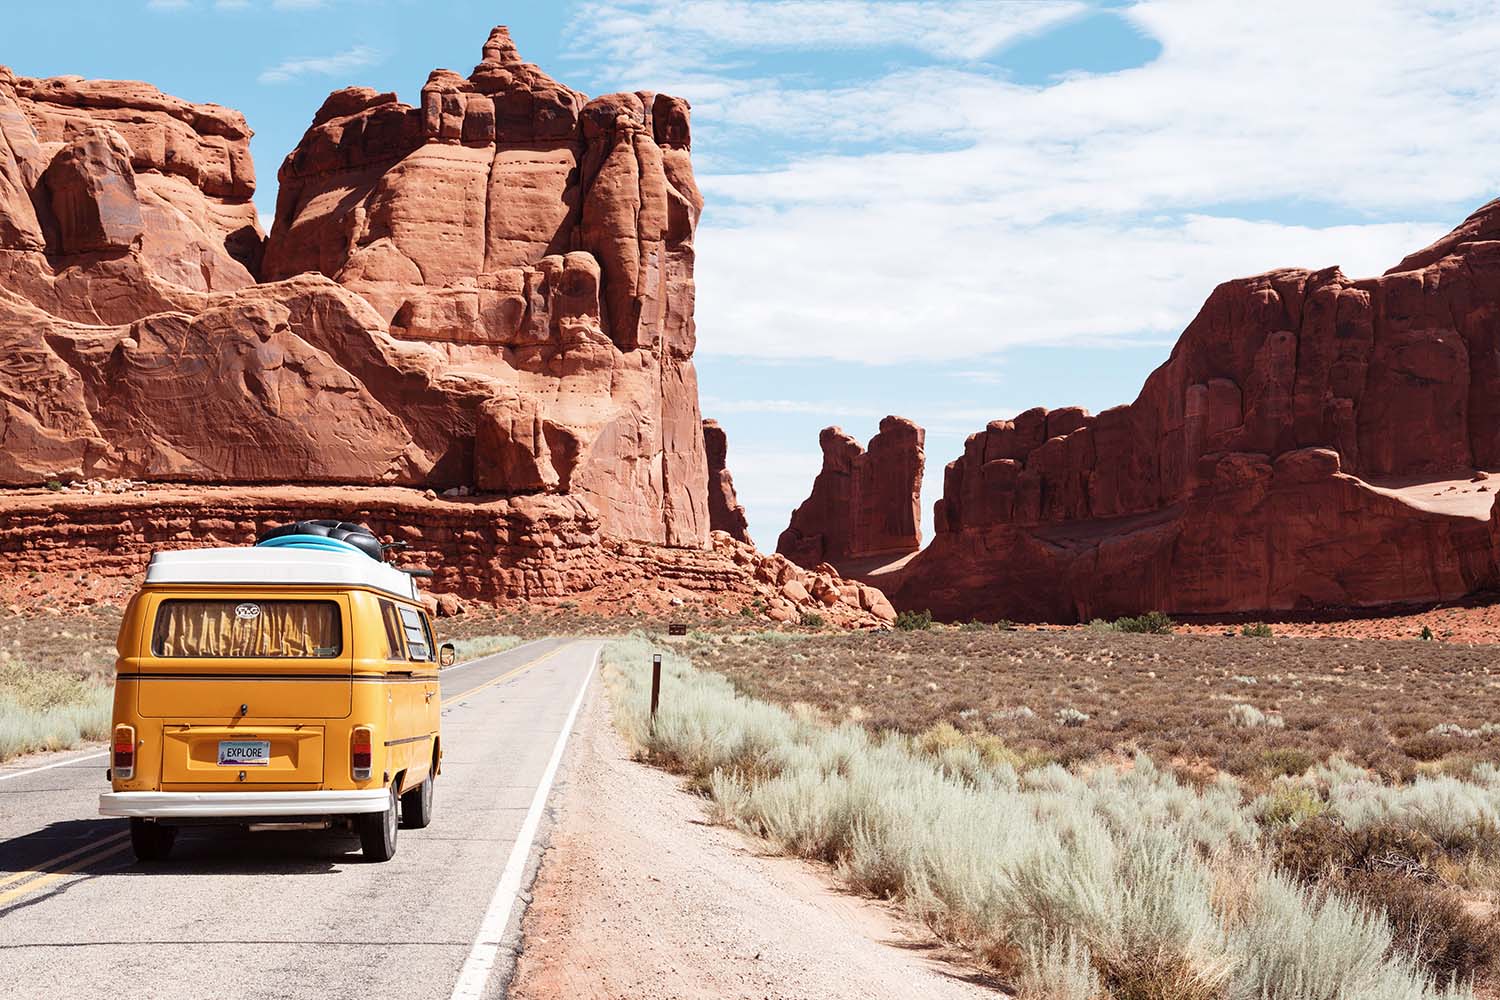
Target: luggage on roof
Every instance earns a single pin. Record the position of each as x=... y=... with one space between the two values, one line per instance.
x=333 y=535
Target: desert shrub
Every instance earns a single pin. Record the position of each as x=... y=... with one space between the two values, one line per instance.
x=1428 y=922
x=1250 y=717
x=55 y=485
x=1287 y=762
x=1059 y=968
x=1083 y=885
x=912 y=621
x=44 y=709
x=812 y=619
x=1460 y=816
x=1257 y=630
x=1071 y=717
x=1391 y=870
x=1150 y=623
x=1289 y=805
x=1428 y=746
x=1297 y=943
x=1426 y=634
x=973 y=625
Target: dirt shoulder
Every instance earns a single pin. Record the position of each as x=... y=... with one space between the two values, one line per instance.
x=639 y=897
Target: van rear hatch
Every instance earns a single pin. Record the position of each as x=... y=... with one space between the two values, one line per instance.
x=231 y=660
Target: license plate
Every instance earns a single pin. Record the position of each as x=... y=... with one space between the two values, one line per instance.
x=244 y=753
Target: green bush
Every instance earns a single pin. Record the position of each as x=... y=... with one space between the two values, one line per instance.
x=54 y=485
x=1290 y=805
x=1426 y=634
x=1290 y=762
x=1257 y=630
x=812 y=619
x=1150 y=623
x=914 y=621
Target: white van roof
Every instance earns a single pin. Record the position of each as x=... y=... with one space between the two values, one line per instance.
x=278 y=567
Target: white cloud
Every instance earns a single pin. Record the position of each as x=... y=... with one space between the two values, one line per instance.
x=942 y=211
x=331 y=65
x=168 y=5
x=297 y=4
x=653 y=37
x=880 y=286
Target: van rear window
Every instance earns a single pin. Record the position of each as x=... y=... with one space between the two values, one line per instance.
x=217 y=628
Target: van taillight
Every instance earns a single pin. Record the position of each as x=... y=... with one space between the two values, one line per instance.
x=124 y=755
x=361 y=753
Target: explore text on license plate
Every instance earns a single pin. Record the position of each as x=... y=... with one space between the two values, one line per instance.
x=244 y=753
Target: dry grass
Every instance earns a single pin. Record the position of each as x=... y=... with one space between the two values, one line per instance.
x=1372 y=702
x=55 y=680
x=1097 y=883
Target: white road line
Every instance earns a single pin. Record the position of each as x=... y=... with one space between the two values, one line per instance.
x=476 y=971
x=55 y=763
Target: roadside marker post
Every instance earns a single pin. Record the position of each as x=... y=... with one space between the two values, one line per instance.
x=655 y=685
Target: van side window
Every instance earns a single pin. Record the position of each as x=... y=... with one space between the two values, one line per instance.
x=392 y=622
x=417 y=646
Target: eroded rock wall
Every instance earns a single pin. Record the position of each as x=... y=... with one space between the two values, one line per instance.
x=725 y=513
x=491 y=291
x=540 y=242
x=1274 y=460
x=864 y=503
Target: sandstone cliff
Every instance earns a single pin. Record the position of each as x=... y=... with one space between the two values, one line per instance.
x=494 y=290
x=1308 y=444
x=489 y=294
x=864 y=503
x=724 y=510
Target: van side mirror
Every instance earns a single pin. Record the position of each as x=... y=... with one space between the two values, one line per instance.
x=447 y=654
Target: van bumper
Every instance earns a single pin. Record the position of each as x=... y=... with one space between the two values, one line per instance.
x=214 y=805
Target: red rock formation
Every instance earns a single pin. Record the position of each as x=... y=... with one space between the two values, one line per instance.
x=863 y=503
x=724 y=510
x=1277 y=460
x=494 y=290
x=536 y=548
x=530 y=240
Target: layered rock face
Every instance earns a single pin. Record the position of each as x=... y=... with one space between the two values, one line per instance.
x=540 y=246
x=864 y=503
x=535 y=548
x=493 y=290
x=1285 y=456
x=724 y=510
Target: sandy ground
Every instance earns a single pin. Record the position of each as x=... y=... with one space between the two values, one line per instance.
x=639 y=897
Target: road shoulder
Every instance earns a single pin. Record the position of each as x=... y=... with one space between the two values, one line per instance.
x=638 y=896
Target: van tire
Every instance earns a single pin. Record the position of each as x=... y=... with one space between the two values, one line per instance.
x=377 y=831
x=151 y=841
x=416 y=805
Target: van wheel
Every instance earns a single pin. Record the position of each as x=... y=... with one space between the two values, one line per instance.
x=416 y=805
x=151 y=841
x=377 y=831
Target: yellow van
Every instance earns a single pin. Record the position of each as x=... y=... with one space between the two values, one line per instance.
x=288 y=685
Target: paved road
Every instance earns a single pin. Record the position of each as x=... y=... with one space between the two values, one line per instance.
x=294 y=914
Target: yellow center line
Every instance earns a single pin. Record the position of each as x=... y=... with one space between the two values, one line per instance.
x=27 y=888
x=43 y=867
x=506 y=676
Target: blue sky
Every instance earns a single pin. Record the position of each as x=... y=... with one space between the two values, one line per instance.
x=950 y=211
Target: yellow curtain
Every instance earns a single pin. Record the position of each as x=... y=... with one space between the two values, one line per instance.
x=247 y=628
